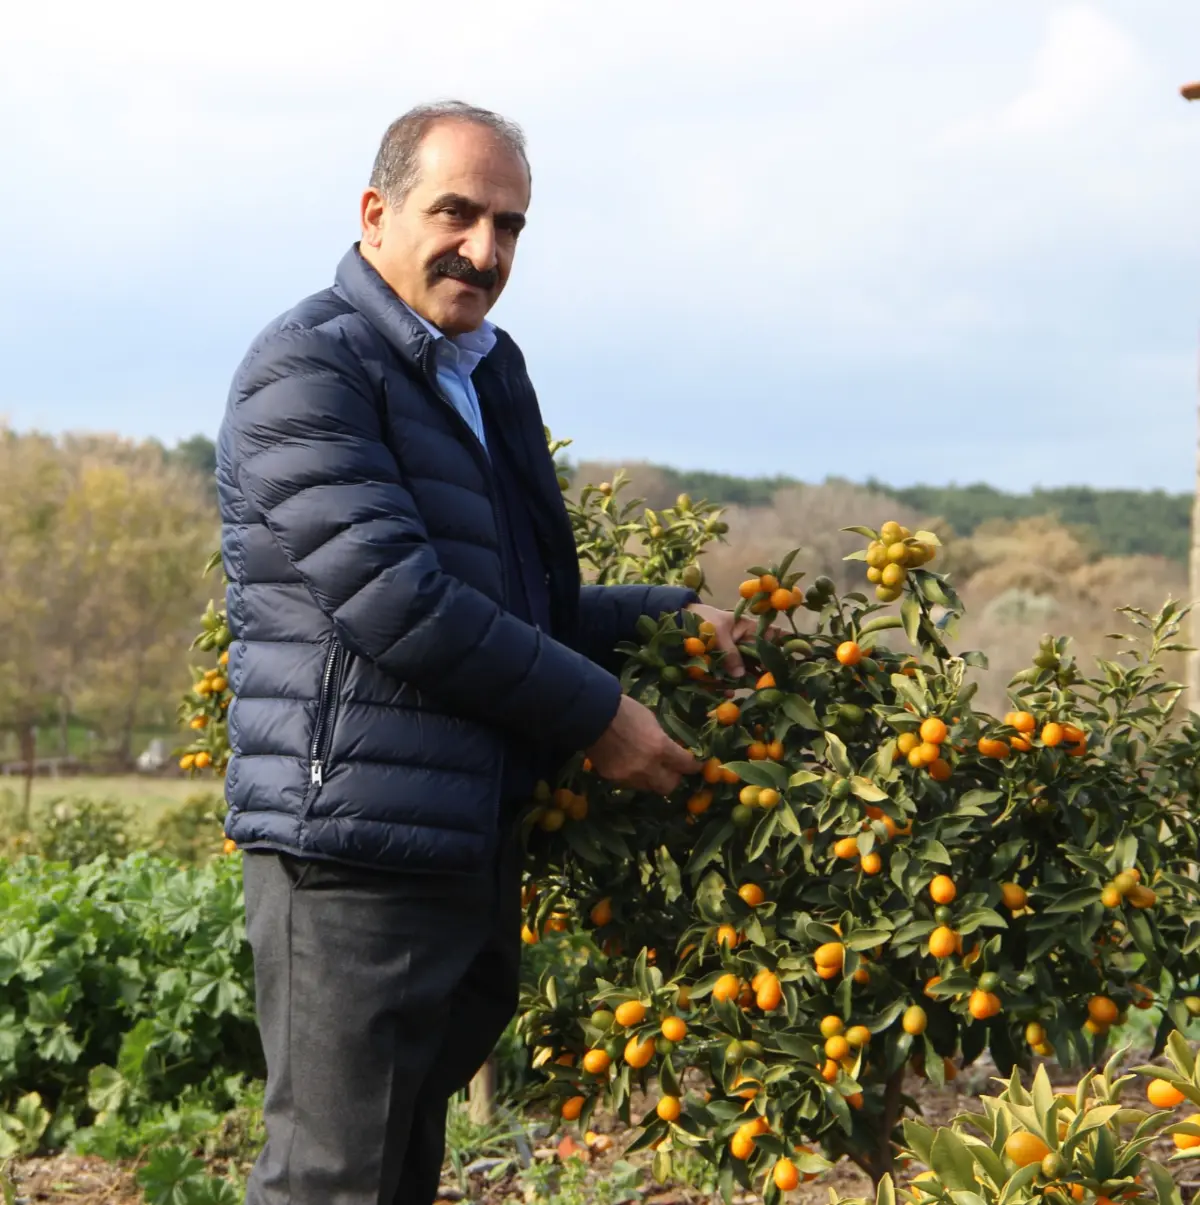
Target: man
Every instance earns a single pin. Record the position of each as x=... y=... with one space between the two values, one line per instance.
x=412 y=651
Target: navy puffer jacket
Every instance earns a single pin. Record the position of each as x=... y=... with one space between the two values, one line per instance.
x=378 y=673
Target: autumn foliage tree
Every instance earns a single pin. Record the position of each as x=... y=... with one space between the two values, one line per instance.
x=98 y=581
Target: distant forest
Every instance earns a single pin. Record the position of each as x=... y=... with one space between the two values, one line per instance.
x=1108 y=522
x=1112 y=522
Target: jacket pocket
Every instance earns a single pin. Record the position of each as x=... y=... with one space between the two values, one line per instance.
x=327 y=705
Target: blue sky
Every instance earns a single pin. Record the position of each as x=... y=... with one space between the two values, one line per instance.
x=921 y=240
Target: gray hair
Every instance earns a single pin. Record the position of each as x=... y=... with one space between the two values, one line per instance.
x=396 y=170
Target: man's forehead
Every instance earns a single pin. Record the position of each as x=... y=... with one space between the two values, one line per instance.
x=469 y=160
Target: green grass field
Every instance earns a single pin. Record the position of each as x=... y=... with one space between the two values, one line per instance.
x=148 y=798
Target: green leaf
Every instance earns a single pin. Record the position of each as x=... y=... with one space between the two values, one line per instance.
x=910 y=614
x=800 y=711
x=1019 y=1184
x=170 y=1176
x=708 y=847
x=914 y=931
x=1143 y=937
x=1073 y=900
x=1166 y=1191
x=881 y=623
x=682 y=732
x=652 y=1133
x=867 y=939
x=760 y=773
x=865 y=789
x=583 y=843
x=951 y=1161
x=667 y=1078
x=935 y=851
x=980 y=799
x=1103 y=1156
x=763 y=833
x=836 y=751
x=980 y=918
x=106 y=1089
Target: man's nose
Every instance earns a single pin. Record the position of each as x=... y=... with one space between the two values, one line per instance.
x=480 y=246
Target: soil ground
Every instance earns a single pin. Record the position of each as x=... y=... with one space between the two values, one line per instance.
x=59 y=1179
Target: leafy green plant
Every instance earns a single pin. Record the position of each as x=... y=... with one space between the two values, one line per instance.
x=467 y=1141
x=193 y=831
x=873 y=877
x=570 y=1183
x=21 y=1130
x=76 y=829
x=172 y=1175
x=121 y=985
x=1036 y=1145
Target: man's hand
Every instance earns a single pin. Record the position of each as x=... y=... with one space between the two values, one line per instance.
x=636 y=752
x=729 y=632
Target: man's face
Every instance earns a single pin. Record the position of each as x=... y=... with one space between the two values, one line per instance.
x=448 y=249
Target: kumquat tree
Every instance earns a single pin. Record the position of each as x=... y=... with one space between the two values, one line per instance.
x=871 y=877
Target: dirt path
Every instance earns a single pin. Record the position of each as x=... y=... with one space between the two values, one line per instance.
x=87 y=1180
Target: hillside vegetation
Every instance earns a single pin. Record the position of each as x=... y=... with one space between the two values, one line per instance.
x=1105 y=522
x=1112 y=522
x=1019 y=574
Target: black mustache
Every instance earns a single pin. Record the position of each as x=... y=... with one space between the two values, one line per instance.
x=458 y=267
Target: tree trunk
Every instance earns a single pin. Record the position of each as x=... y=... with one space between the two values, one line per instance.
x=125 y=747
x=1193 y=658
x=482 y=1097
x=27 y=743
x=884 y=1161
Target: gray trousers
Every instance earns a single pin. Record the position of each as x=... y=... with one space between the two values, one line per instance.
x=379 y=995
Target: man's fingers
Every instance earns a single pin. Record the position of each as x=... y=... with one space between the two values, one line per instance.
x=678 y=760
x=732 y=660
x=666 y=782
x=744 y=627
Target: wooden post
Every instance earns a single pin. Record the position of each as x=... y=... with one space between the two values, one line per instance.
x=481 y=1099
x=1192 y=92
x=1193 y=658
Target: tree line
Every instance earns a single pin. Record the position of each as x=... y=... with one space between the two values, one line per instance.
x=1107 y=522
x=1110 y=522
x=103 y=541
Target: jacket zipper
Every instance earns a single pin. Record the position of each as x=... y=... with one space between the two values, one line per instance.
x=326 y=704
x=477 y=449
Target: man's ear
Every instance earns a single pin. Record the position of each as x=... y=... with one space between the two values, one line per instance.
x=373 y=214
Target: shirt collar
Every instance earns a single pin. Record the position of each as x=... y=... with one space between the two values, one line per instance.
x=477 y=343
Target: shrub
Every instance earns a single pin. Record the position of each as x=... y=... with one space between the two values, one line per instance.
x=72 y=829
x=76 y=830
x=191 y=832
x=873 y=878
x=1039 y=1145
x=122 y=984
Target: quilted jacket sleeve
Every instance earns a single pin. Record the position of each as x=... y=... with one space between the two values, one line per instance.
x=305 y=446
x=608 y=615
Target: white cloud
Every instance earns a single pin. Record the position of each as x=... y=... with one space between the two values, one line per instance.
x=1086 y=66
x=886 y=197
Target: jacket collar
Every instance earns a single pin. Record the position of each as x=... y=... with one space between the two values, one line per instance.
x=367 y=291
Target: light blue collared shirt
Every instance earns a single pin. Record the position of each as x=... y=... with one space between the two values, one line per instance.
x=456 y=358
